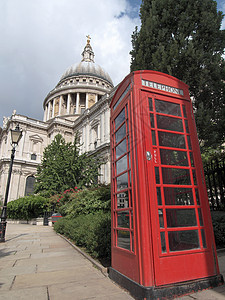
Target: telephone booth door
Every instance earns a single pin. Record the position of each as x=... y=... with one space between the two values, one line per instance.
x=182 y=243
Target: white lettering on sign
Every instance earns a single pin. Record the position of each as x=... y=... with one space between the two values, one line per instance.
x=162 y=87
x=155 y=156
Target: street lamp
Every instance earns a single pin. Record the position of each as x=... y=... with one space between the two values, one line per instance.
x=16 y=135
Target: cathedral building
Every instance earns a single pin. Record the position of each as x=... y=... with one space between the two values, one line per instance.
x=79 y=103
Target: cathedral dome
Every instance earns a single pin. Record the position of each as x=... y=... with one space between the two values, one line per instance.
x=87 y=66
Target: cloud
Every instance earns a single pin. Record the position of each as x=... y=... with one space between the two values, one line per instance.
x=41 y=39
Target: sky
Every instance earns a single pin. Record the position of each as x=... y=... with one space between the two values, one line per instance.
x=40 y=39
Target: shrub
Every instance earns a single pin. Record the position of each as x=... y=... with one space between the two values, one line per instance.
x=27 y=208
x=85 y=201
x=92 y=232
x=218 y=220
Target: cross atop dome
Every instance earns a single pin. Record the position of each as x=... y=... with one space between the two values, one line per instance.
x=88 y=39
x=88 y=54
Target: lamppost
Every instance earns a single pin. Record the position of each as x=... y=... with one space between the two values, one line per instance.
x=16 y=135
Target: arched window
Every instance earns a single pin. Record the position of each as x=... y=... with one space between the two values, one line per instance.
x=29 y=190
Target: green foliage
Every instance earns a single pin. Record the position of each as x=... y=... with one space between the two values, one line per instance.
x=27 y=208
x=183 y=38
x=87 y=218
x=87 y=201
x=91 y=231
x=62 y=167
x=218 y=220
x=73 y=202
x=211 y=153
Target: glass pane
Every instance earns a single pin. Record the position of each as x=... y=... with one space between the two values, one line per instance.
x=122 y=200
x=120 y=118
x=123 y=219
x=200 y=216
x=152 y=121
x=173 y=157
x=132 y=236
x=194 y=177
x=192 y=159
x=197 y=197
x=161 y=221
x=153 y=138
x=178 y=196
x=203 y=238
x=159 y=198
x=150 y=104
x=131 y=219
x=167 y=108
x=131 y=201
x=169 y=123
x=121 y=165
x=123 y=239
x=186 y=125
x=174 y=140
x=127 y=127
x=157 y=179
x=176 y=176
x=121 y=148
x=184 y=111
x=121 y=133
x=181 y=217
x=189 y=142
x=122 y=182
x=163 y=242
x=129 y=161
x=130 y=178
x=183 y=240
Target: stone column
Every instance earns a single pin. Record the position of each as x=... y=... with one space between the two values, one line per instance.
x=96 y=98
x=86 y=103
x=60 y=104
x=68 y=103
x=48 y=113
x=77 y=103
x=102 y=126
x=107 y=123
x=45 y=114
x=99 y=136
x=87 y=137
x=83 y=141
x=53 y=108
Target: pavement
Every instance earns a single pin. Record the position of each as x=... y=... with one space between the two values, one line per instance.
x=36 y=263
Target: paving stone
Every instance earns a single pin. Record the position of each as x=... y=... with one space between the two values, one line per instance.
x=56 y=277
x=6 y=282
x=15 y=270
x=25 y=294
x=102 y=288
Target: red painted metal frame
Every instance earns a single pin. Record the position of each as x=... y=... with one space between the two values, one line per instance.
x=141 y=258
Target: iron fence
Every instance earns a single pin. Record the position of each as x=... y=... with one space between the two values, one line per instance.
x=215 y=182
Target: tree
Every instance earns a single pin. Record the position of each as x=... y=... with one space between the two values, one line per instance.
x=183 y=38
x=62 y=167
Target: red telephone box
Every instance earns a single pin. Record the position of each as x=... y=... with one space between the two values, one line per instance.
x=162 y=237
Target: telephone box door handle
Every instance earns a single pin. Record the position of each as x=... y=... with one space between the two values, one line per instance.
x=148 y=155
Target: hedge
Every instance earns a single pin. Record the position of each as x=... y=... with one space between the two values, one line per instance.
x=93 y=232
x=27 y=208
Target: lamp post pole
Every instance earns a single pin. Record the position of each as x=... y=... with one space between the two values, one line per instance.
x=16 y=136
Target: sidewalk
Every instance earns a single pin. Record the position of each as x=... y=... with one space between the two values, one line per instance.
x=36 y=263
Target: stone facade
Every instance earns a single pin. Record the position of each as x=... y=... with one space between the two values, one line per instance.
x=78 y=103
